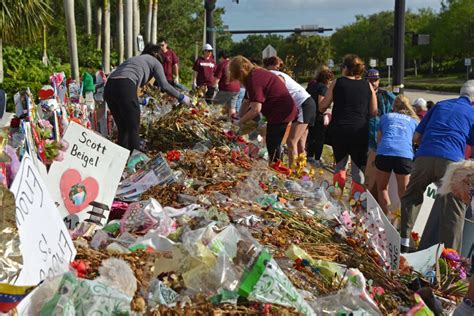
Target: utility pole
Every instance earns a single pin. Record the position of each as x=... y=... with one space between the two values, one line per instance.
x=399 y=46
x=210 y=6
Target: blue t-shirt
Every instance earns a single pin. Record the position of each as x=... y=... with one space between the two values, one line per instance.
x=397 y=135
x=385 y=103
x=446 y=129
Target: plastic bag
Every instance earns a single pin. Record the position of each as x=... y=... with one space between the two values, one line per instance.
x=155 y=172
x=86 y=297
x=136 y=161
x=143 y=216
x=351 y=299
x=160 y=294
x=249 y=189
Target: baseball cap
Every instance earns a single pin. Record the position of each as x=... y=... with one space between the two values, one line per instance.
x=207 y=47
x=420 y=102
x=373 y=74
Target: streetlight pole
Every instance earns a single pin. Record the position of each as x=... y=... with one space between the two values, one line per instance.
x=210 y=6
x=399 y=46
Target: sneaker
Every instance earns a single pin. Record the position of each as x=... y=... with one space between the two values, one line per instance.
x=312 y=161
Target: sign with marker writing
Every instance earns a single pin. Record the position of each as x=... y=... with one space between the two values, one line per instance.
x=83 y=185
x=45 y=244
x=389 y=236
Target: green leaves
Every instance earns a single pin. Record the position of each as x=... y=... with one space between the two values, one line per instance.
x=23 y=17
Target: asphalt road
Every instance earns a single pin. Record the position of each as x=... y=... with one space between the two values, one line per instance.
x=434 y=96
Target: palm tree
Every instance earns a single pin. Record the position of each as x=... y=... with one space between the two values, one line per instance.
x=136 y=24
x=99 y=26
x=128 y=28
x=148 y=21
x=154 y=23
x=71 y=36
x=88 y=18
x=106 y=38
x=120 y=43
x=18 y=17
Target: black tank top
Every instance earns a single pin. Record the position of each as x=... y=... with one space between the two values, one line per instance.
x=350 y=113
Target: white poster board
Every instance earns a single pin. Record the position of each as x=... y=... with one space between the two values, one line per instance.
x=428 y=201
x=45 y=243
x=390 y=237
x=89 y=173
x=269 y=51
x=423 y=261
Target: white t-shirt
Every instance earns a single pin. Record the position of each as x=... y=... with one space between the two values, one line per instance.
x=297 y=92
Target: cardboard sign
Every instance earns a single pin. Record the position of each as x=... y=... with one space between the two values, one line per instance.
x=45 y=243
x=87 y=177
x=390 y=237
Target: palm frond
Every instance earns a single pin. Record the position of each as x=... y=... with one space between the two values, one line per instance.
x=23 y=17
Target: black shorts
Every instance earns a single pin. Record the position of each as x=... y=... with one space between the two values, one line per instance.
x=309 y=111
x=399 y=165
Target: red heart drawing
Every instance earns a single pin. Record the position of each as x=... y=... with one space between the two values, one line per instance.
x=77 y=193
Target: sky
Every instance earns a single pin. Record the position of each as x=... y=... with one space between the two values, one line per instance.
x=283 y=14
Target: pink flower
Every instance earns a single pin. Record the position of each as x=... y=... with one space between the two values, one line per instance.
x=60 y=156
x=46 y=124
x=63 y=144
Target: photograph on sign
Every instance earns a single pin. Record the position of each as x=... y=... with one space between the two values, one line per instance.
x=45 y=244
x=84 y=183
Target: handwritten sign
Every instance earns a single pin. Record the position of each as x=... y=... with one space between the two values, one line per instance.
x=83 y=185
x=389 y=236
x=45 y=243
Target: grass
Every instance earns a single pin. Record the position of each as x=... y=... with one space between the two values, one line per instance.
x=447 y=83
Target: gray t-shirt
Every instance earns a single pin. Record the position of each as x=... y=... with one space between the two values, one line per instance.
x=140 y=69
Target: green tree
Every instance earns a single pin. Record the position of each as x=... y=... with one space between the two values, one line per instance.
x=253 y=45
x=21 y=17
x=309 y=52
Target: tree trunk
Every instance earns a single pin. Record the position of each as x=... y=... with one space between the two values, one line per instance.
x=71 y=36
x=88 y=18
x=416 y=68
x=154 y=23
x=120 y=43
x=106 y=38
x=1 y=60
x=99 y=27
x=136 y=25
x=148 y=21
x=431 y=65
x=128 y=28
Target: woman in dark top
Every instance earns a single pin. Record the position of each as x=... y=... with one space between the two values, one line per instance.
x=121 y=93
x=267 y=94
x=354 y=100
x=317 y=132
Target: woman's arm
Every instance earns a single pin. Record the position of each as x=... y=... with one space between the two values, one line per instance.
x=327 y=100
x=254 y=109
x=159 y=75
x=373 y=110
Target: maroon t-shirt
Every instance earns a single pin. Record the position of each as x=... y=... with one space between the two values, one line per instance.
x=169 y=60
x=266 y=88
x=205 y=71
x=224 y=83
